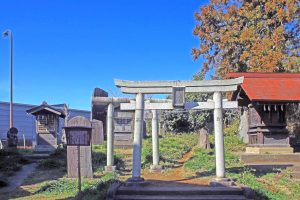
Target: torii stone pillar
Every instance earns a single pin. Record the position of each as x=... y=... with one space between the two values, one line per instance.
x=155 y=143
x=137 y=140
x=110 y=102
x=110 y=139
x=219 y=135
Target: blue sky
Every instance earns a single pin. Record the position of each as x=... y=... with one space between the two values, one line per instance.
x=63 y=49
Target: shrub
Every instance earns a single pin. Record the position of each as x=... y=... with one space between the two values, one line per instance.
x=15 y=160
x=50 y=163
x=58 y=186
x=60 y=152
x=98 y=190
x=91 y=188
x=3 y=182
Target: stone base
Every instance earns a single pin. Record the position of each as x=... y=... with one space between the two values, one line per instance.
x=156 y=168
x=135 y=182
x=269 y=150
x=221 y=182
x=110 y=168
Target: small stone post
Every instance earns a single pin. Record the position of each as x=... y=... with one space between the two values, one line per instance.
x=219 y=136
x=110 y=139
x=155 y=143
x=137 y=140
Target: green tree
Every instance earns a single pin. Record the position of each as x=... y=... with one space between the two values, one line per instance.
x=248 y=35
x=185 y=121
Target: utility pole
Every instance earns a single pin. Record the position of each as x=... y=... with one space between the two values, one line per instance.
x=8 y=33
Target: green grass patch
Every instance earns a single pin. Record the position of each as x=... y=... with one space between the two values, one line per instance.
x=277 y=186
x=171 y=146
x=99 y=158
x=91 y=188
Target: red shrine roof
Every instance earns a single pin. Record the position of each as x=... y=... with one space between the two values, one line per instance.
x=270 y=86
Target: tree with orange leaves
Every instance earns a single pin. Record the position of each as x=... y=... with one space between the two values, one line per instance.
x=249 y=36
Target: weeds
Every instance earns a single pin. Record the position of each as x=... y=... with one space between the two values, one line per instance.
x=172 y=148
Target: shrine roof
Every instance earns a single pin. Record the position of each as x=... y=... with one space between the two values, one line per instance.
x=270 y=86
x=44 y=107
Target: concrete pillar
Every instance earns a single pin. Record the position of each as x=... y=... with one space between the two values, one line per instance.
x=137 y=140
x=110 y=138
x=155 y=143
x=219 y=136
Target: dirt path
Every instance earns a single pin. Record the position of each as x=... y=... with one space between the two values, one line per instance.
x=177 y=174
x=17 y=180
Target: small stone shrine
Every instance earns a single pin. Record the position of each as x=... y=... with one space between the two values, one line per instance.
x=79 y=126
x=264 y=98
x=97 y=132
x=47 y=125
x=12 y=137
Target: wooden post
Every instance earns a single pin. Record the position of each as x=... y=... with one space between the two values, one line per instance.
x=79 y=169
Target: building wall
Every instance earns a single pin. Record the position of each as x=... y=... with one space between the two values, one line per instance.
x=25 y=123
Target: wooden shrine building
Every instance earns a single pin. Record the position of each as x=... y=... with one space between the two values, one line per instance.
x=47 y=125
x=264 y=98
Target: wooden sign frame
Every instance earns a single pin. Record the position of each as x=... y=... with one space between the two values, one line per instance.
x=178 y=97
x=78 y=135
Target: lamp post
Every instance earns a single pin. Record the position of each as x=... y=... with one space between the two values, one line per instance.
x=8 y=33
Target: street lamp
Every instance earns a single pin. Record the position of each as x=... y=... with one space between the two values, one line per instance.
x=8 y=33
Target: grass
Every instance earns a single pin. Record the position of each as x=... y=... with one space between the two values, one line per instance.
x=99 y=158
x=50 y=182
x=15 y=160
x=272 y=185
x=172 y=148
x=277 y=186
x=91 y=188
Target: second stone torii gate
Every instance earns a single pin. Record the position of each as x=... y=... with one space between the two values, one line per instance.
x=178 y=89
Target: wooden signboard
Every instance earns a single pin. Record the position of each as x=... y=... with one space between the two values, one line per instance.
x=78 y=136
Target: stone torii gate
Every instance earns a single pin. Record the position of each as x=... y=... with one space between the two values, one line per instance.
x=178 y=89
x=111 y=103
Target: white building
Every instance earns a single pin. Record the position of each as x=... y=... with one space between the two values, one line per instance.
x=25 y=123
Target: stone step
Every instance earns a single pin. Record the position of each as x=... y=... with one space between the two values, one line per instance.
x=164 y=190
x=181 y=197
x=296 y=175
x=296 y=168
x=122 y=144
x=37 y=156
x=44 y=149
x=271 y=158
x=179 y=190
x=269 y=166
